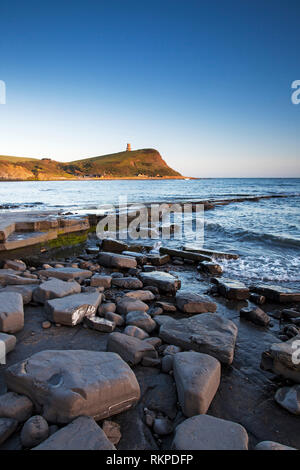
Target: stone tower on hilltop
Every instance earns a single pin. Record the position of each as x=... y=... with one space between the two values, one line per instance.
x=128 y=148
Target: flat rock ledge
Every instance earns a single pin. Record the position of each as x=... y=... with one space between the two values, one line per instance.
x=204 y=432
x=66 y=273
x=231 y=289
x=205 y=333
x=277 y=294
x=64 y=385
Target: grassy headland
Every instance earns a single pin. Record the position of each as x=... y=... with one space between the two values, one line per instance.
x=136 y=164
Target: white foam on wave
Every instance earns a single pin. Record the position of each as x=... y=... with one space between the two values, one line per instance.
x=263 y=268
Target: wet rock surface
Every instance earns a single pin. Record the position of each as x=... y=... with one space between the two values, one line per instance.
x=277 y=293
x=256 y=315
x=165 y=282
x=246 y=393
x=189 y=302
x=231 y=289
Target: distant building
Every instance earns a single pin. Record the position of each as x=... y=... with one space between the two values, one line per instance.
x=128 y=148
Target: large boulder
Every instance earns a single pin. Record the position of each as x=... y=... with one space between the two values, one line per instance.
x=13 y=405
x=205 y=333
x=55 y=288
x=66 y=273
x=231 y=289
x=165 y=282
x=72 y=309
x=130 y=348
x=66 y=384
x=197 y=378
x=283 y=359
x=289 y=398
x=11 y=312
x=189 y=302
x=82 y=434
x=204 y=432
x=113 y=260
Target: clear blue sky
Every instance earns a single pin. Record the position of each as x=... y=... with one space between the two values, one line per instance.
x=206 y=82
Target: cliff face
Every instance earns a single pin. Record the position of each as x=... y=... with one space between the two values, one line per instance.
x=134 y=164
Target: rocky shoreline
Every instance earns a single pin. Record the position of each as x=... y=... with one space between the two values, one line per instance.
x=142 y=350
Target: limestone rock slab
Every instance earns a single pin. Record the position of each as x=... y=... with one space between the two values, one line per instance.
x=11 y=312
x=205 y=333
x=82 y=434
x=204 y=432
x=66 y=384
x=55 y=288
x=72 y=309
x=197 y=378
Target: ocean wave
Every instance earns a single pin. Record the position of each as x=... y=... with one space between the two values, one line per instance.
x=251 y=235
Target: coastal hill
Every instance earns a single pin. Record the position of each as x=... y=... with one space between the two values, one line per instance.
x=144 y=163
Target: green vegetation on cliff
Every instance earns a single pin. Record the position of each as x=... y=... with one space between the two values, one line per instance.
x=146 y=163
